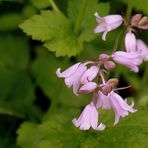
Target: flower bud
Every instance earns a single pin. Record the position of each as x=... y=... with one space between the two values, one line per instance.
x=109 y=65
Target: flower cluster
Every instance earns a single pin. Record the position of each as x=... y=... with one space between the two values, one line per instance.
x=89 y=76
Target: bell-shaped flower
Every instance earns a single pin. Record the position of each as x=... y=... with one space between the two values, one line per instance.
x=88 y=87
x=89 y=74
x=88 y=118
x=120 y=107
x=73 y=75
x=103 y=101
x=130 y=42
x=143 y=49
x=128 y=59
x=116 y=102
x=107 y=23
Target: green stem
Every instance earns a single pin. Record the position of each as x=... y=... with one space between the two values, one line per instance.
x=145 y=75
x=54 y=6
x=80 y=16
x=129 y=11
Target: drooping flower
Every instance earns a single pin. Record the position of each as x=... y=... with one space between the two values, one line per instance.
x=88 y=87
x=107 y=23
x=143 y=49
x=103 y=101
x=73 y=75
x=116 y=102
x=88 y=118
x=128 y=59
x=120 y=107
x=130 y=42
x=89 y=74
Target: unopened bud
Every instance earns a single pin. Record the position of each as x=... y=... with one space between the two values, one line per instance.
x=135 y=19
x=103 y=57
x=143 y=21
x=109 y=65
x=139 y=21
x=109 y=86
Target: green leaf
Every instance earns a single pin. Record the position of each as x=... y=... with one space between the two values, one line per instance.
x=54 y=28
x=88 y=20
x=59 y=132
x=14 y=52
x=139 y=5
x=17 y=90
x=40 y=4
x=10 y=21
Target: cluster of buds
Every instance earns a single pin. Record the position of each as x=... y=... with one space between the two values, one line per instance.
x=89 y=76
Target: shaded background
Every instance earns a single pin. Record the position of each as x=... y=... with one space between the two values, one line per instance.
x=36 y=108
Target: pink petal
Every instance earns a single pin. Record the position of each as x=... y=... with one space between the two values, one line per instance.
x=74 y=79
x=88 y=87
x=68 y=71
x=99 y=29
x=89 y=74
x=143 y=49
x=110 y=19
x=130 y=42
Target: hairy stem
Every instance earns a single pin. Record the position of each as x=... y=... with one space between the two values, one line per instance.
x=79 y=18
x=54 y=6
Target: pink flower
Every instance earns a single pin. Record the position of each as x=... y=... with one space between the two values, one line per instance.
x=88 y=118
x=73 y=75
x=143 y=49
x=128 y=59
x=116 y=102
x=107 y=23
x=120 y=107
x=130 y=42
x=103 y=101
x=89 y=74
x=88 y=87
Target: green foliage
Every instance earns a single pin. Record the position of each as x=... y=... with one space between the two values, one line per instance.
x=139 y=5
x=10 y=21
x=54 y=28
x=17 y=90
x=88 y=19
x=59 y=132
x=40 y=4
x=57 y=31
x=28 y=83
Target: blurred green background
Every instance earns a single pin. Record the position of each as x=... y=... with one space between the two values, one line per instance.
x=36 y=108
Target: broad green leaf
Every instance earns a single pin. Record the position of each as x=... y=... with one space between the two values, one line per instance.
x=88 y=19
x=54 y=28
x=14 y=52
x=17 y=90
x=59 y=132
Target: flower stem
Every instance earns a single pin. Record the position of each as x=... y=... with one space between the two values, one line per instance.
x=129 y=11
x=80 y=16
x=54 y=6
